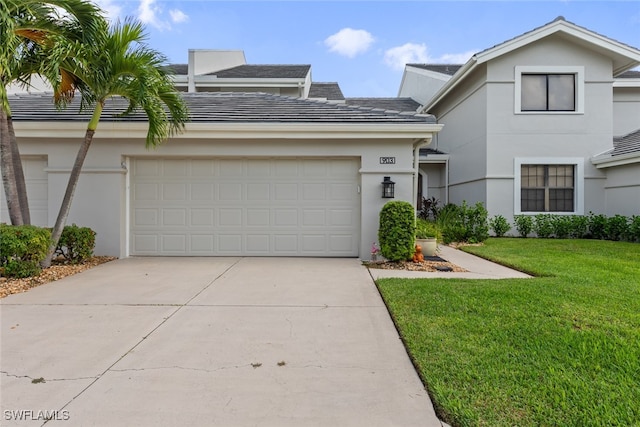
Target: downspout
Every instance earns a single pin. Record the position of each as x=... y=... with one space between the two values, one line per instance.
x=416 y=166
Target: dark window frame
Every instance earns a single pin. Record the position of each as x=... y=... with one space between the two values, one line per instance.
x=547 y=197
x=547 y=109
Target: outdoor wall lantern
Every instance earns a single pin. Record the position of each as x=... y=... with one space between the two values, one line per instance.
x=388 y=188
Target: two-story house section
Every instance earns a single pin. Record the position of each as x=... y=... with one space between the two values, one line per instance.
x=526 y=122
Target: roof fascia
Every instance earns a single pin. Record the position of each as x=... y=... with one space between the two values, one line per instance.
x=553 y=27
x=451 y=84
x=626 y=83
x=247 y=82
x=609 y=161
x=131 y=130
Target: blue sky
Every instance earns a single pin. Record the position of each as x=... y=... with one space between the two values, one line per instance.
x=362 y=45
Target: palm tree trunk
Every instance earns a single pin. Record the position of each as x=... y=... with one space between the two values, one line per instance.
x=8 y=171
x=21 y=185
x=65 y=207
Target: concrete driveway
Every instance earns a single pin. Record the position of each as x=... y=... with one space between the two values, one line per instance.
x=208 y=341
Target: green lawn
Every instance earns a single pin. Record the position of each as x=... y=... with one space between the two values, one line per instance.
x=562 y=349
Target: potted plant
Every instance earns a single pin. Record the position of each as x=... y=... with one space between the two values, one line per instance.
x=426 y=237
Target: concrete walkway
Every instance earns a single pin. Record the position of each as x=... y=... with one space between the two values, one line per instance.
x=478 y=268
x=208 y=341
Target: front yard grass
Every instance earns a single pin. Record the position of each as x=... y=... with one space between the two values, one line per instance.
x=562 y=349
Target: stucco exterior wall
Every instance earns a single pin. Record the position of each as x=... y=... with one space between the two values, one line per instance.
x=626 y=110
x=464 y=138
x=622 y=190
x=511 y=134
x=101 y=200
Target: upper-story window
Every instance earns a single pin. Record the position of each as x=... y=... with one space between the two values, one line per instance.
x=549 y=90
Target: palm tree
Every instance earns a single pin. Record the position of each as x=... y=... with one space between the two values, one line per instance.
x=28 y=31
x=122 y=65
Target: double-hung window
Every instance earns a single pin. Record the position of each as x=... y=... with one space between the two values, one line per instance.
x=547 y=188
x=549 y=90
x=549 y=184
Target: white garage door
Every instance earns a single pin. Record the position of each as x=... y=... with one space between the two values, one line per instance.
x=259 y=207
x=36 y=179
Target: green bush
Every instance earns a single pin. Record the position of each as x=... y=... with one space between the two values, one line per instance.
x=524 y=224
x=397 y=231
x=22 y=249
x=543 y=225
x=464 y=223
x=76 y=244
x=561 y=226
x=499 y=225
x=579 y=226
x=617 y=228
x=596 y=226
x=427 y=229
x=634 y=229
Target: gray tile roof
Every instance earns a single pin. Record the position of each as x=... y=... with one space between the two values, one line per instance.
x=631 y=74
x=448 y=69
x=559 y=18
x=178 y=69
x=221 y=107
x=427 y=151
x=393 y=104
x=627 y=144
x=330 y=91
x=264 y=72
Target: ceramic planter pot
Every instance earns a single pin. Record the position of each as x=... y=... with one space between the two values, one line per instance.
x=429 y=246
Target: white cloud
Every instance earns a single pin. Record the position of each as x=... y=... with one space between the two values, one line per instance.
x=112 y=10
x=455 y=58
x=397 y=57
x=149 y=13
x=178 y=16
x=349 y=42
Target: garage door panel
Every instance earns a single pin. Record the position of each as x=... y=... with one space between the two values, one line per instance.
x=282 y=207
x=202 y=217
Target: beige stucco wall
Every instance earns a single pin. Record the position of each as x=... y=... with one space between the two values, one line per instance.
x=101 y=199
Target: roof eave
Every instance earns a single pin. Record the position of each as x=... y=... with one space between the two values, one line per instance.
x=608 y=161
x=451 y=84
x=240 y=130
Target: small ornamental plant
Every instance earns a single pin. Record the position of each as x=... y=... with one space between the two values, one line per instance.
x=397 y=231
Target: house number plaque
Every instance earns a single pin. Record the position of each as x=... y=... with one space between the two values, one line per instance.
x=387 y=160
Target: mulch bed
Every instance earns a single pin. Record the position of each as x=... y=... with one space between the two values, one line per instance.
x=58 y=270
x=427 y=265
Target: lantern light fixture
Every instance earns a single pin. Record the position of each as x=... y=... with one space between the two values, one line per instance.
x=388 y=190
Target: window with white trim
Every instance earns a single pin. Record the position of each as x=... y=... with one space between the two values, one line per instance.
x=549 y=90
x=547 y=188
x=548 y=184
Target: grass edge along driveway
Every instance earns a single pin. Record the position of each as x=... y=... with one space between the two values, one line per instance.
x=560 y=349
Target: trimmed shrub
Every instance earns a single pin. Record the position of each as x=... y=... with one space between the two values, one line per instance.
x=561 y=226
x=543 y=225
x=634 y=229
x=22 y=249
x=76 y=244
x=524 y=224
x=397 y=231
x=579 y=226
x=617 y=228
x=499 y=225
x=464 y=223
x=596 y=226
